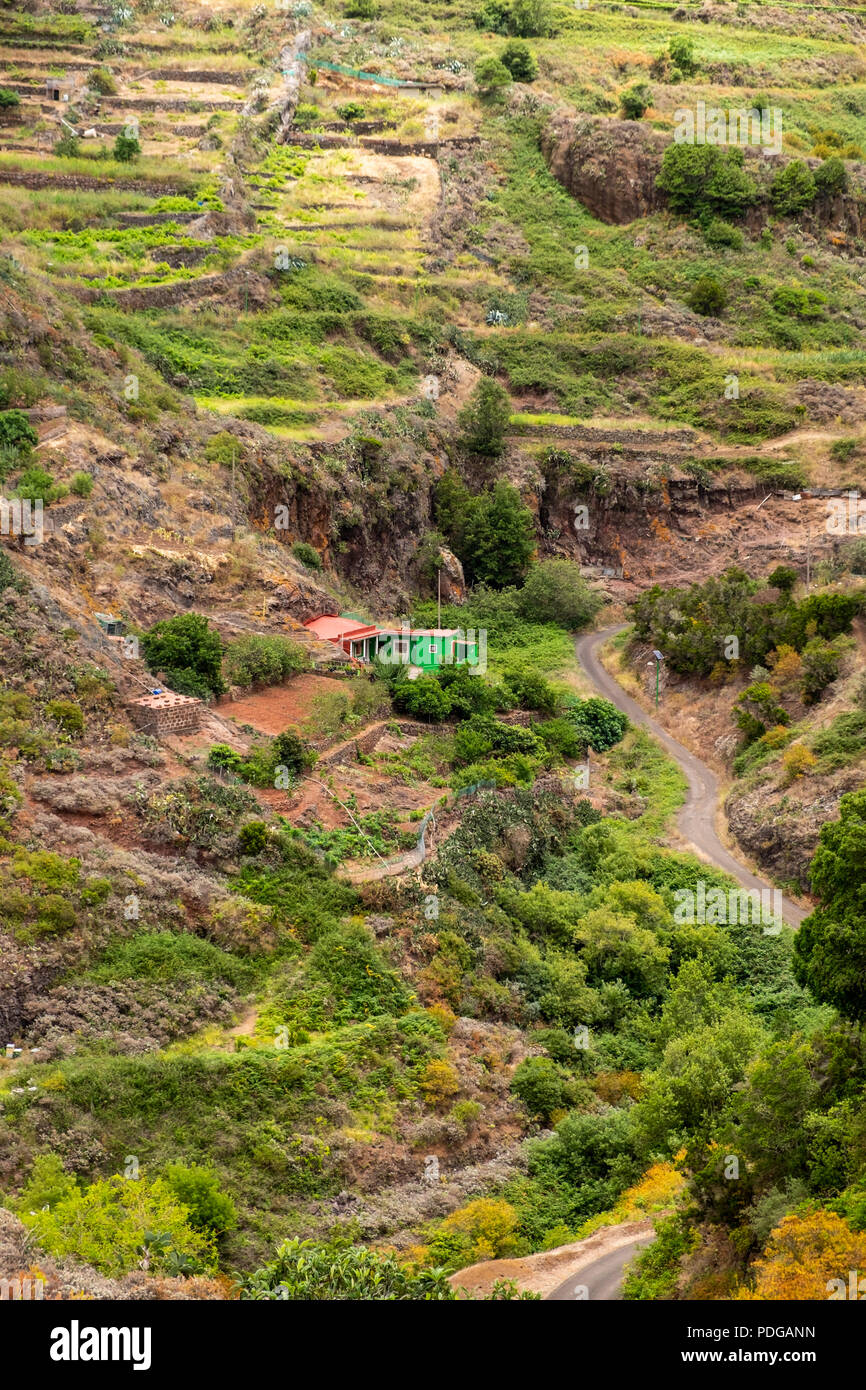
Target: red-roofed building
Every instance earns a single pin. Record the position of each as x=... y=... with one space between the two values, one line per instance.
x=427 y=648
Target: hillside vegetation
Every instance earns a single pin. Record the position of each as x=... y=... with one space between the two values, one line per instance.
x=424 y=314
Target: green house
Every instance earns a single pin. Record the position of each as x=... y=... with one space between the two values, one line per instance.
x=429 y=648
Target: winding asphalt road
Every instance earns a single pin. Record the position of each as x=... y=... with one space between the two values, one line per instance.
x=601 y=1280
x=697 y=817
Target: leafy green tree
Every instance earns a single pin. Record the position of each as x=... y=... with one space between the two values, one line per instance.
x=830 y=946
x=822 y=662
x=452 y=505
x=831 y=177
x=702 y=179
x=520 y=61
x=783 y=578
x=491 y=75
x=707 y=297
x=530 y=19
x=484 y=418
x=555 y=591
x=770 y=1111
x=538 y=1082
x=688 y=1094
x=593 y=1153
x=500 y=538
x=635 y=101
x=793 y=189
x=188 y=651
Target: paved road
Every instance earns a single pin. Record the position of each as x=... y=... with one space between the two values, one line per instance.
x=601 y=1280
x=697 y=817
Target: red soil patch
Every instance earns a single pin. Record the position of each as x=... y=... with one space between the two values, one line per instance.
x=272 y=711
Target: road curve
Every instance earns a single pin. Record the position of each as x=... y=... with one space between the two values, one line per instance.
x=697 y=817
x=600 y=1281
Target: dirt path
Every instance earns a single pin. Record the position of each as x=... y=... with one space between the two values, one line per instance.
x=698 y=815
x=596 y=1263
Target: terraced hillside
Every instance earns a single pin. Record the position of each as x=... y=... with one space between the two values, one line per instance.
x=427 y=315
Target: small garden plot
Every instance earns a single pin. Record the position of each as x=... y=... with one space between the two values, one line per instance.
x=131 y=256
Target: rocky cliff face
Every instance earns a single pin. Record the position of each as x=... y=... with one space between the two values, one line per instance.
x=608 y=166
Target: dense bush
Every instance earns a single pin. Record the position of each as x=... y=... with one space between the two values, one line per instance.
x=307 y=555
x=635 y=101
x=555 y=591
x=256 y=660
x=484 y=418
x=519 y=60
x=702 y=180
x=304 y=1272
x=188 y=652
x=793 y=189
x=706 y=297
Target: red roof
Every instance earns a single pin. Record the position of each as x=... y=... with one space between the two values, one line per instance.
x=332 y=628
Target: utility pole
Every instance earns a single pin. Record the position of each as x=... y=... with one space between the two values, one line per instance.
x=809 y=560
x=439 y=597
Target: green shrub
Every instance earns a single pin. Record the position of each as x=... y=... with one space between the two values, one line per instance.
x=115 y=1224
x=793 y=189
x=210 y=1211
x=599 y=722
x=100 y=80
x=258 y=660
x=707 y=297
x=635 y=101
x=16 y=431
x=223 y=448
x=307 y=555
x=350 y=111
x=253 y=837
x=293 y=752
x=304 y=1272
x=831 y=178
x=682 y=55
x=519 y=60
x=82 y=484
x=718 y=233
x=8 y=99
x=126 y=148
x=189 y=653
x=538 y=1082
x=701 y=179
x=67 y=714
x=491 y=75
x=530 y=19
x=555 y=591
